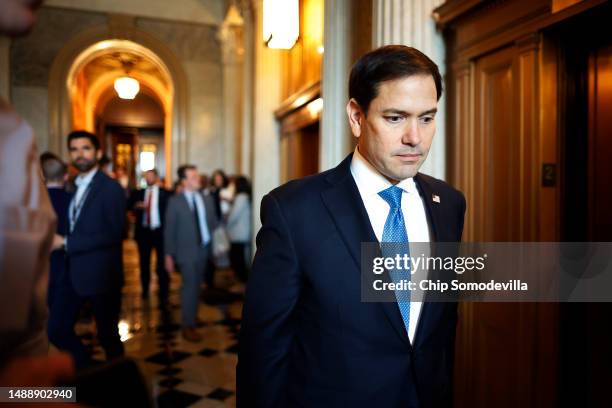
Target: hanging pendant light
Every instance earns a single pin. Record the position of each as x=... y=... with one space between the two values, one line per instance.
x=127 y=87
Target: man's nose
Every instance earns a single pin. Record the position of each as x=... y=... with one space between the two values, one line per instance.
x=411 y=135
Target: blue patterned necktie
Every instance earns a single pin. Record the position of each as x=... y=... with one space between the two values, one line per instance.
x=395 y=232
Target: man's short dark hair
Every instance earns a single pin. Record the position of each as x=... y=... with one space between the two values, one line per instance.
x=386 y=64
x=104 y=161
x=182 y=170
x=154 y=171
x=80 y=134
x=53 y=168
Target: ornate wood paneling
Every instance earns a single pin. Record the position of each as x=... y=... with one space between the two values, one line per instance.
x=495 y=112
x=301 y=84
x=503 y=126
x=600 y=144
x=496 y=156
x=302 y=64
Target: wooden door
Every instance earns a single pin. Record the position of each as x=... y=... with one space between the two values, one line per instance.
x=124 y=157
x=300 y=152
x=600 y=143
x=505 y=351
x=530 y=148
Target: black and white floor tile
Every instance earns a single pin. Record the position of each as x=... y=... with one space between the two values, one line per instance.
x=178 y=373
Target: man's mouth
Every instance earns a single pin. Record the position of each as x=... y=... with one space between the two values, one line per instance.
x=410 y=157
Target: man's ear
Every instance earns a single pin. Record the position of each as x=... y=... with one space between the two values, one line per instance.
x=355 y=117
x=99 y=154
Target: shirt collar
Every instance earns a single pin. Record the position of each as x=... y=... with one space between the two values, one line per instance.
x=370 y=181
x=84 y=180
x=189 y=194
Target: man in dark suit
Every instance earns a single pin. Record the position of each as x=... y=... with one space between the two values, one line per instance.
x=94 y=269
x=190 y=221
x=55 y=171
x=149 y=206
x=307 y=339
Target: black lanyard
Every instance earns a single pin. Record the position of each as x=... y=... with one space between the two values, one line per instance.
x=76 y=208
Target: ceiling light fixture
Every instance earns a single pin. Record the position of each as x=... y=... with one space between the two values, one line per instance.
x=126 y=86
x=281 y=23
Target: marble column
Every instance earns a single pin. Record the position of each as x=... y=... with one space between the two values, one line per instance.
x=230 y=36
x=410 y=22
x=246 y=144
x=266 y=98
x=335 y=140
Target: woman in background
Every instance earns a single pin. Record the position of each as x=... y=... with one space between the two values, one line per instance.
x=218 y=182
x=239 y=227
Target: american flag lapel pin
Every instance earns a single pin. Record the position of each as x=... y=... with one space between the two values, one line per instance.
x=435 y=198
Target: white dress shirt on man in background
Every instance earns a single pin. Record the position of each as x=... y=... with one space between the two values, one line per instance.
x=152 y=193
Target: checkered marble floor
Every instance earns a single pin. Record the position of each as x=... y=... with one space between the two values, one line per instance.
x=179 y=373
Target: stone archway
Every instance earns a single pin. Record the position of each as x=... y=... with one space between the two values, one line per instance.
x=94 y=41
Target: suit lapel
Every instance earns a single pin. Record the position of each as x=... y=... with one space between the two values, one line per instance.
x=186 y=206
x=91 y=195
x=346 y=208
x=430 y=311
x=432 y=208
x=162 y=203
x=207 y=211
x=210 y=218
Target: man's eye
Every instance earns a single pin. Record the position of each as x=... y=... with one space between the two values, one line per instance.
x=427 y=119
x=393 y=119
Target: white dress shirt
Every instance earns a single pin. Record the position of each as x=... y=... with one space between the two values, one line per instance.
x=189 y=195
x=370 y=182
x=154 y=221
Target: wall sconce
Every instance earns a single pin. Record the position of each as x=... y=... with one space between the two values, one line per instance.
x=281 y=23
x=315 y=107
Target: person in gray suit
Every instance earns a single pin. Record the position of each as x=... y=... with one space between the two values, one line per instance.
x=190 y=222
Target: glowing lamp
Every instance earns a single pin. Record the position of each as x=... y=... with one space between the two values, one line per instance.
x=281 y=23
x=127 y=87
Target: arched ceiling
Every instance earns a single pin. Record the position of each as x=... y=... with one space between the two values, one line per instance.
x=91 y=82
x=120 y=62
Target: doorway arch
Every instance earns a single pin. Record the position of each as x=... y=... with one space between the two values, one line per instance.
x=103 y=39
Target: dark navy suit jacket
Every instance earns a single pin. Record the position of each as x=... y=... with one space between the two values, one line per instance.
x=60 y=199
x=139 y=195
x=307 y=339
x=94 y=246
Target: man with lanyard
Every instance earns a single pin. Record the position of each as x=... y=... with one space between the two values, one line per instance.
x=94 y=268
